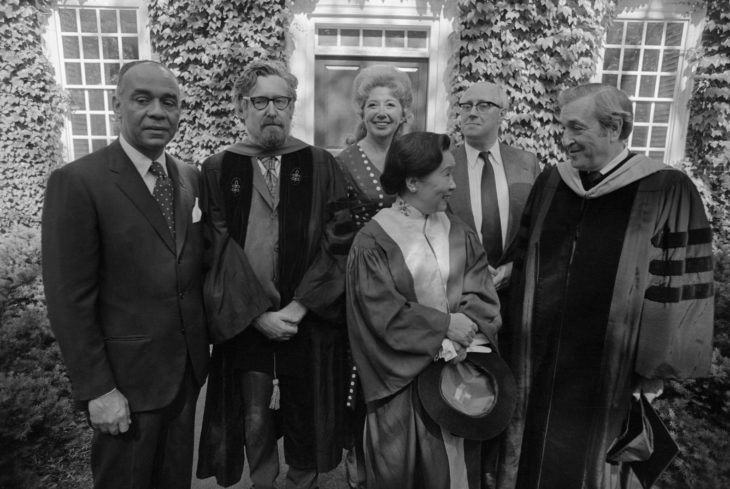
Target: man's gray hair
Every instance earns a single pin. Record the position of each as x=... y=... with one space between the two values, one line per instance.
x=251 y=73
x=612 y=105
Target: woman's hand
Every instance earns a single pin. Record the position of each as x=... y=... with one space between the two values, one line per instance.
x=461 y=329
x=460 y=354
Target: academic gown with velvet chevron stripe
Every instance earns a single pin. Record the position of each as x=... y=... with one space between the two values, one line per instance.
x=614 y=284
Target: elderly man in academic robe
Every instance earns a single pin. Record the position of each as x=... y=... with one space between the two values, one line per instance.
x=271 y=295
x=614 y=294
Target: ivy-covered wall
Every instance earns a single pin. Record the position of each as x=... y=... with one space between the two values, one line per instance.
x=535 y=49
x=207 y=47
x=31 y=111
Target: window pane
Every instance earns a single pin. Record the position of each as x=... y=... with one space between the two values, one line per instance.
x=78 y=100
x=129 y=48
x=666 y=86
x=639 y=136
x=98 y=124
x=670 y=61
x=395 y=39
x=88 y=20
x=615 y=33
x=68 y=19
x=93 y=73
x=78 y=125
x=128 y=19
x=647 y=86
x=91 y=47
x=73 y=73
x=654 y=33
x=634 y=33
x=661 y=112
x=71 y=47
x=110 y=47
x=674 y=34
x=350 y=37
x=651 y=60
x=327 y=37
x=372 y=38
x=658 y=137
x=656 y=155
x=108 y=20
x=611 y=59
x=110 y=97
x=631 y=59
x=96 y=100
x=81 y=147
x=97 y=144
x=610 y=79
x=111 y=70
x=417 y=39
x=642 y=111
x=628 y=84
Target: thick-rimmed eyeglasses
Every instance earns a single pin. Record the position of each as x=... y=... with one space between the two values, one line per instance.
x=260 y=103
x=482 y=107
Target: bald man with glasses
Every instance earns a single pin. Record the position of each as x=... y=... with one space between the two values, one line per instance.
x=278 y=360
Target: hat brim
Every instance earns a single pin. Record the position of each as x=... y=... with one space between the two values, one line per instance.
x=482 y=427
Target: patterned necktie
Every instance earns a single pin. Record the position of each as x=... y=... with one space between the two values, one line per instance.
x=272 y=180
x=163 y=194
x=491 y=223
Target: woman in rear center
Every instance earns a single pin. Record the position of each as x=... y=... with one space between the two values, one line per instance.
x=415 y=277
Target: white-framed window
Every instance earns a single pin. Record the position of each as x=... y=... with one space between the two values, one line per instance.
x=88 y=44
x=645 y=55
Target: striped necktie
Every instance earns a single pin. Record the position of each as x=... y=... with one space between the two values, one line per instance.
x=272 y=179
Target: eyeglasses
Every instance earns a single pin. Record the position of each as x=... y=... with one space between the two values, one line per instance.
x=482 y=107
x=260 y=103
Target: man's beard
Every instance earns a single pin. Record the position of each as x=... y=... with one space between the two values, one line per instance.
x=272 y=137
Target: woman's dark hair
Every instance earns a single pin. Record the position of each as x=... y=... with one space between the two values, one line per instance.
x=412 y=155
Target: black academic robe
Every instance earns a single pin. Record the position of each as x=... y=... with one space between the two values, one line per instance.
x=310 y=183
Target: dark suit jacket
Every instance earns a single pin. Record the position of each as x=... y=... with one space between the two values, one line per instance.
x=124 y=298
x=521 y=169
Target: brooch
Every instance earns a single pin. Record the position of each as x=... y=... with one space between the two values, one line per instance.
x=235 y=186
x=295 y=176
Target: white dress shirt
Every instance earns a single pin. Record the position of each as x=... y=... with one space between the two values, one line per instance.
x=475 y=166
x=142 y=163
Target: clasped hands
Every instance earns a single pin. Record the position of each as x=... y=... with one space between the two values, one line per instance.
x=283 y=324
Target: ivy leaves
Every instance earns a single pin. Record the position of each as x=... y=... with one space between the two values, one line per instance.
x=535 y=49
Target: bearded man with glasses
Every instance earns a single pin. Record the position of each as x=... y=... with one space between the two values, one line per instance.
x=278 y=358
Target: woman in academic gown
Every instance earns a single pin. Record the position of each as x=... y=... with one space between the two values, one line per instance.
x=417 y=282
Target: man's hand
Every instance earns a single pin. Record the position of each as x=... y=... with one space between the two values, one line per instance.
x=461 y=329
x=501 y=275
x=110 y=413
x=275 y=326
x=294 y=312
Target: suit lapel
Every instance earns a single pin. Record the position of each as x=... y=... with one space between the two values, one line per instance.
x=460 y=201
x=184 y=201
x=131 y=184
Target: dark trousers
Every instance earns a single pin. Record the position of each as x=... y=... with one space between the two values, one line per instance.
x=156 y=452
x=259 y=429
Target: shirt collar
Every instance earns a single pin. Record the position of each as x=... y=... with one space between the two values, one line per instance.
x=611 y=164
x=472 y=154
x=141 y=162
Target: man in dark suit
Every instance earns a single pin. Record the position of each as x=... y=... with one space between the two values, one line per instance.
x=122 y=253
x=493 y=179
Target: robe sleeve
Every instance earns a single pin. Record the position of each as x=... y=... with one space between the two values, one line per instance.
x=675 y=336
x=393 y=338
x=322 y=287
x=479 y=300
x=233 y=295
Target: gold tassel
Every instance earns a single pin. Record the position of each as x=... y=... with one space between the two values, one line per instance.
x=275 y=393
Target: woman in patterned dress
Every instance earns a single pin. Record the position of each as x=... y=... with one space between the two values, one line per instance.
x=382 y=96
